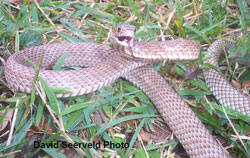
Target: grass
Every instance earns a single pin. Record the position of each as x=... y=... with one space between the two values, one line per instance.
x=119 y=112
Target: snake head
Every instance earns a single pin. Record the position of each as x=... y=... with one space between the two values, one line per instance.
x=122 y=37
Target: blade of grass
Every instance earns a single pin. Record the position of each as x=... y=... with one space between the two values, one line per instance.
x=51 y=96
x=243 y=9
x=60 y=61
x=39 y=113
x=54 y=153
x=75 y=107
x=126 y=118
x=4 y=114
x=17 y=42
x=135 y=10
x=73 y=117
x=135 y=135
x=199 y=33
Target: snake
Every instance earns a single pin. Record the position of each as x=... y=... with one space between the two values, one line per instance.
x=131 y=60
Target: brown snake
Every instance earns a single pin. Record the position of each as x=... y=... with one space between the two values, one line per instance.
x=104 y=65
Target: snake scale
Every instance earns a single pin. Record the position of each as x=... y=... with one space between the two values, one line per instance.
x=103 y=65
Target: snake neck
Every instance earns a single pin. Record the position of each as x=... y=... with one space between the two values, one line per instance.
x=125 y=51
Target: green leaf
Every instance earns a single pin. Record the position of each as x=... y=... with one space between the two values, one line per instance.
x=55 y=154
x=12 y=100
x=93 y=11
x=30 y=38
x=61 y=90
x=192 y=92
x=72 y=28
x=207 y=117
x=135 y=135
x=126 y=118
x=139 y=109
x=17 y=42
x=73 y=117
x=7 y=15
x=199 y=33
x=140 y=153
x=51 y=96
x=21 y=22
x=200 y=84
x=4 y=114
x=244 y=12
x=53 y=137
x=135 y=10
x=232 y=112
x=75 y=107
x=39 y=113
x=241 y=52
x=179 y=71
x=31 y=63
x=245 y=76
x=69 y=37
x=212 y=67
x=60 y=61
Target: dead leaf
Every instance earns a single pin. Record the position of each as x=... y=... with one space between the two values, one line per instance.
x=160 y=134
x=236 y=84
x=6 y=120
x=192 y=73
x=40 y=129
x=246 y=87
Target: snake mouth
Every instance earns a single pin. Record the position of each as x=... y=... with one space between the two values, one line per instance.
x=123 y=38
x=126 y=39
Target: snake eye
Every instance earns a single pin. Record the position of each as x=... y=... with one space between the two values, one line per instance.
x=119 y=29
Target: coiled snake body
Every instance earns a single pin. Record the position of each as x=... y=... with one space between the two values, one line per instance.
x=104 y=65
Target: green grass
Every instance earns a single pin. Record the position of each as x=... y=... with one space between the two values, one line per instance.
x=27 y=24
